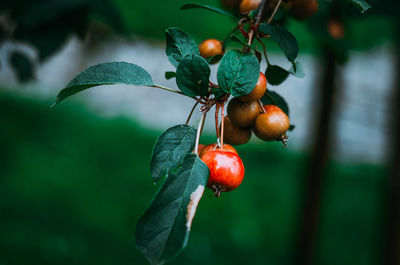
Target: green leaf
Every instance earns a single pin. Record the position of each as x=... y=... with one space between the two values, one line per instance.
x=211 y=8
x=170 y=149
x=192 y=76
x=106 y=74
x=291 y=127
x=163 y=230
x=169 y=75
x=275 y=74
x=362 y=4
x=237 y=39
x=273 y=98
x=179 y=44
x=297 y=70
x=214 y=59
x=238 y=73
x=285 y=40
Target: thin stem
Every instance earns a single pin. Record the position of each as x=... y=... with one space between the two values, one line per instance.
x=261 y=106
x=264 y=51
x=202 y=124
x=191 y=112
x=168 y=89
x=222 y=126
x=216 y=119
x=273 y=13
x=196 y=148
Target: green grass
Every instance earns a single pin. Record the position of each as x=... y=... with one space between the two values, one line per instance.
x=73 y=185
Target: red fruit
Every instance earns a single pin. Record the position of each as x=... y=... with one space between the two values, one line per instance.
x=214 y=147
x=211 y=47
x=200 y=148
x=226 y=171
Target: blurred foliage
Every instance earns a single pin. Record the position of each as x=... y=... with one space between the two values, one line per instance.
x=73 y=185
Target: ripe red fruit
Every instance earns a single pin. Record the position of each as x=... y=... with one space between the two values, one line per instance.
x=211 y=47
x=248 y=5
x=214 y=147
x=235 y=135
x=271 y=125
x=258 y=91
x=243 y=114
x=226 y=171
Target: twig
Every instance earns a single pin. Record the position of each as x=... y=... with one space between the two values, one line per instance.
x=191 y=112
x=273 y=13
x=168 y=89
x=222 y=127
x=196 y=148
x=264 y=51
x=217 y=107
x=261 y=106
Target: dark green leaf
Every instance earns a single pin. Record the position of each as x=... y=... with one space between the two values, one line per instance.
x=163 y=230
x=211 y=8
x=297 y=70
x=170 y=149
x=238 y=73
x=22 y=65
x=362 y=4
x=179 y=44
x=237 y=39
x=106 y=74
x=192 y=76
x=275 y=74
x=169 y=75
x=285 y=40
x=273 y=98
x=214 y=59
x=291 y=127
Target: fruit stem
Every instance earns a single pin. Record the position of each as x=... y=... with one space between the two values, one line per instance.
x=196 y=148
x=191 y=112
x=168 y=89
x=264 y=51
x=222 y=127
x=261 y=106
x=273 y=13
x=217 y=107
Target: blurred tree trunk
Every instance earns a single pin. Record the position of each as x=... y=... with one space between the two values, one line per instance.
x=392 y=254
x=314 y=180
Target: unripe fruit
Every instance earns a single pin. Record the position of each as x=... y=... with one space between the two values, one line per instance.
x=243 y=114
x=302 y=9
x=226 y=171
x=211 y=47
x=336 y=29
x=214 y=147
x=258 y=91
x=235 y=135
x=271 y=125
x=248 y=5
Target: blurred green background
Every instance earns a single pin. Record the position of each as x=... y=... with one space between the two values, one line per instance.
x=73 y=184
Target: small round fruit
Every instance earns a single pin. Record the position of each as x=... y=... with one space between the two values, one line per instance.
x=271 y=125
x=336 y=29
x=200 y=148
x=243 y=114
x=248 y=5
x=214 y=147
x=226 y=171
x=231 y=4
x=258 y=91
x=211 y=47
x=235 y=135
x=302 y=9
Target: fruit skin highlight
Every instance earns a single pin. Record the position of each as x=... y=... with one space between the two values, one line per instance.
x=271 y=125
x=258 y=91
x=210 y=48
x=226 y=171
x=235 y=135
